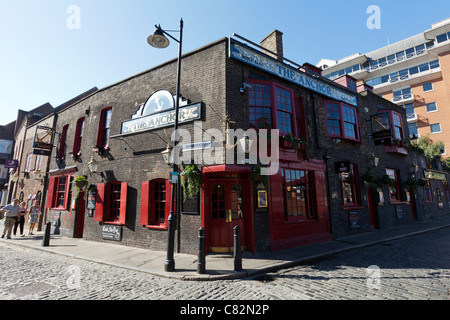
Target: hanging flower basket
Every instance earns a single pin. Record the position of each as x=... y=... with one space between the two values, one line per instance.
x=190 y=181
x=80 y=183
x=421 y=182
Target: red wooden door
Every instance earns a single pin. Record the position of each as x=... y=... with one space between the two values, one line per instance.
x=228 y=209
x=80 y=210
x=372 y=208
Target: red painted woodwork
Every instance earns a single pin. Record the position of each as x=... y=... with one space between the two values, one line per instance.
x=51 y=192
x=145 y=197
x=123 y=203
x=291 y=233
x=99 y=202
x=80 y=209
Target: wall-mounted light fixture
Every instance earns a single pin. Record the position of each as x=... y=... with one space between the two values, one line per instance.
x=93 y=165
x=168 y=155
x=373 y=161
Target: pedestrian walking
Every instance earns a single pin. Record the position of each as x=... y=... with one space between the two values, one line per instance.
x=11 y=213
x=35 y=212
x=20 y=219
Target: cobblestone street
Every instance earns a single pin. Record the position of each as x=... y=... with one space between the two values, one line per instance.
x=416 y=267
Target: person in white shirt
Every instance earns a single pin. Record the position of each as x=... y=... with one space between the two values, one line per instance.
x=11 y=215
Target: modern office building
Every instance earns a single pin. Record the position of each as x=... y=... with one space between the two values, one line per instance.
x=413 y=73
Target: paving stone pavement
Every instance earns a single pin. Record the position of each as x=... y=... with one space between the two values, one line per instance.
x=415 y=267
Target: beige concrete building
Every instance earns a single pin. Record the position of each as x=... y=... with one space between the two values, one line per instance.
x=413 y=73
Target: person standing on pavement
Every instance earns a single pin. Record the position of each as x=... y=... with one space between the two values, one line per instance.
x=20 y=219
x=35 y=212
x=11 y=213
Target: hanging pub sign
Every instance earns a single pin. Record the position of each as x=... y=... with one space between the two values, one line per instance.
x=43 y=140
x=159 y=111
x=381 y=128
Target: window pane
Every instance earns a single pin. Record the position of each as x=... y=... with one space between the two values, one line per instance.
x=260 y=118
x=424 y=67
x=441 y=38
x=435 y=127
x=427 y=86
x=434 y=64
x=413 y=129
x=413 y=70
x=431 y=107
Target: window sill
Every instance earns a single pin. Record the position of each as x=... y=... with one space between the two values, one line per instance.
x=58 y=208
x=398 y=202
x=157 y=226
x=117 y=223
x=345 y=208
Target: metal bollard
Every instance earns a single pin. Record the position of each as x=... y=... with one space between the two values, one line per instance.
x=201 y=265
x=46 y=239
x=237 y=249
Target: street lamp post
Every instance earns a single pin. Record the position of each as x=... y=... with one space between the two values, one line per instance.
x=159 y=40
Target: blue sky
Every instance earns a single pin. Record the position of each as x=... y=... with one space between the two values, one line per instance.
x=42 y=60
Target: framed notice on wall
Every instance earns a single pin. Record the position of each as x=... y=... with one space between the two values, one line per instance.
x=262 y=199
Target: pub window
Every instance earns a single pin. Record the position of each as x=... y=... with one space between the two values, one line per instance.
x=260 y=111
x=104 y=128
x=394 y=187
x=397 y=124
x=111 y=202
x=62 y=142
x=428 y=192
x=284 y=110
x=349 y=187
x=342 y=121
x=155 y=203
x=59 y=192
x=446 y=191
x=272 y=106
x=78 y=136
x=297 y=194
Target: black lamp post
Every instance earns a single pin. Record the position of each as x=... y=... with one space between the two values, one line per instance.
x=159 y=40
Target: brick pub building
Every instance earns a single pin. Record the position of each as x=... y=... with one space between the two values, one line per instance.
x=325 y=149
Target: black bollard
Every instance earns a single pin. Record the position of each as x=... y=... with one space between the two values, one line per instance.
x=201 y=265
x=46 y=239
x=237 y=249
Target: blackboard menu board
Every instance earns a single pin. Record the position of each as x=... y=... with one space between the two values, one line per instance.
x=110 y=232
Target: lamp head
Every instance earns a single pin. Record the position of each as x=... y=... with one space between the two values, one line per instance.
x=158 y=39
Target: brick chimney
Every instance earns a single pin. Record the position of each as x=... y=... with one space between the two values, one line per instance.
x=274 y=43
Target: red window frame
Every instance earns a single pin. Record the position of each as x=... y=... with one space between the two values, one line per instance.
x=62 y=142
x=342 y=121
x=446 y=191
x=298 y=194
x=111 y=202
x=428 y=191
x=59 y=189
x=78 y=136
x=397 y=130
x=285 y=108
x=394 y=190
x=104 y=128
x=350 y=187
x=155 y=203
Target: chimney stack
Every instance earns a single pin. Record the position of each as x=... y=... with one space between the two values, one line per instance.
x=274 y=43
